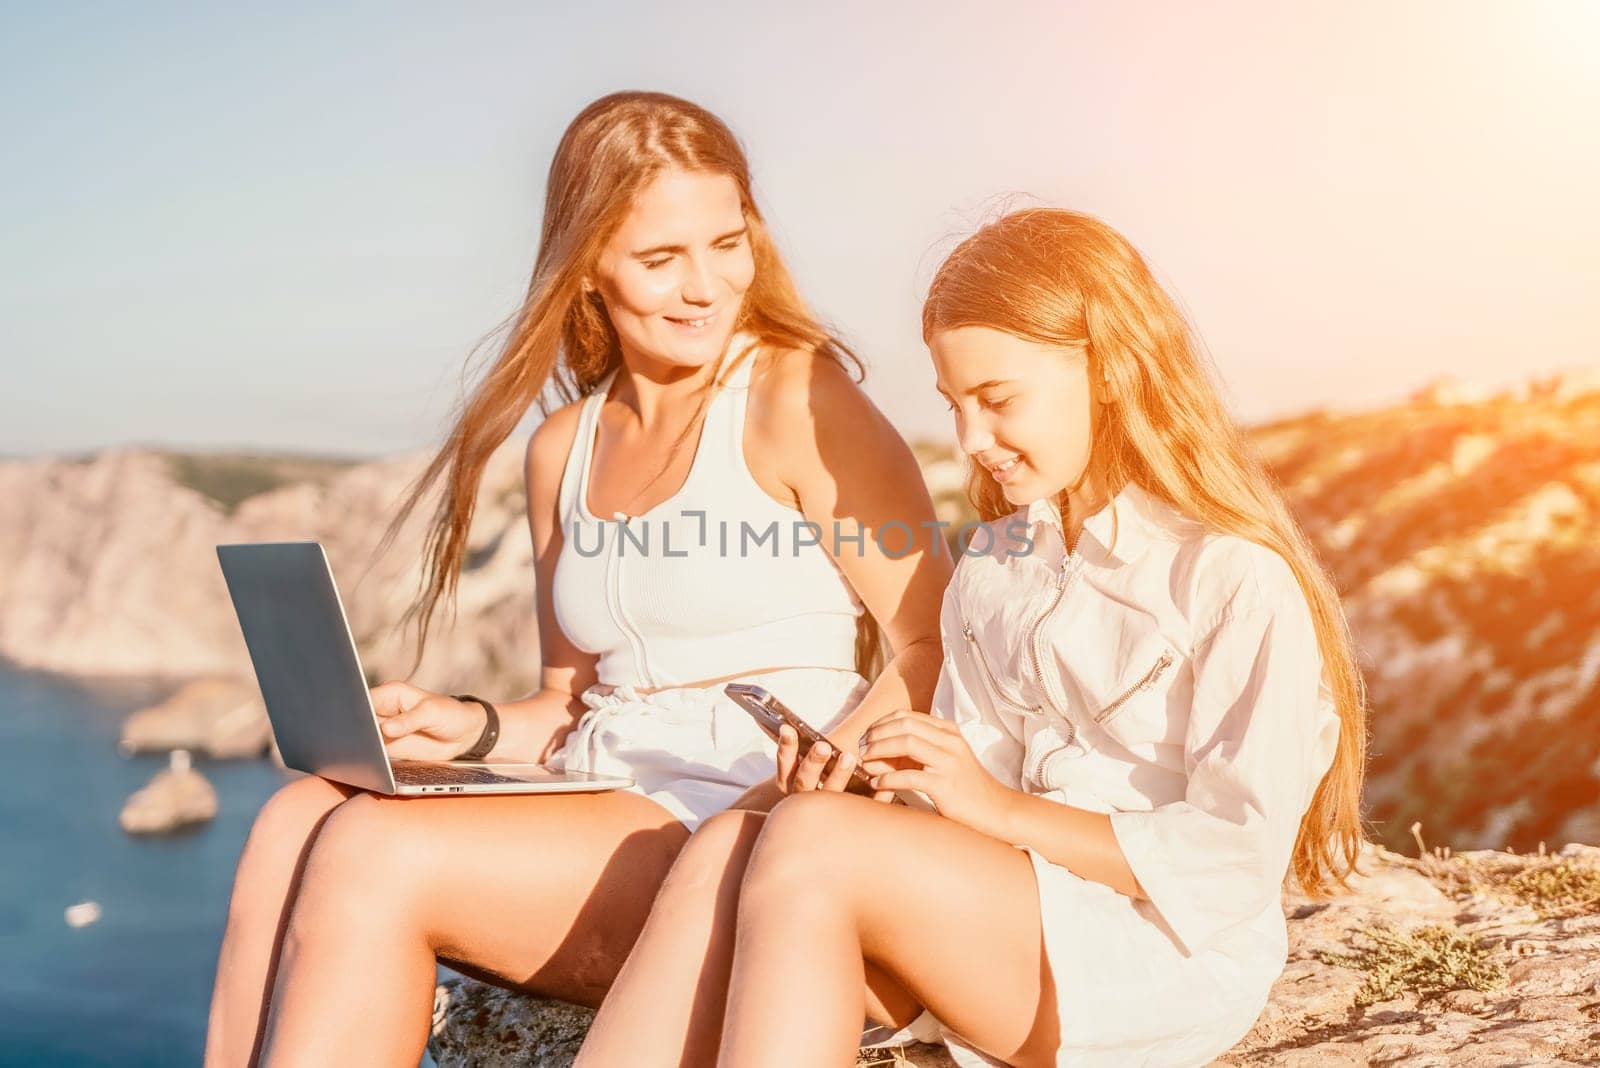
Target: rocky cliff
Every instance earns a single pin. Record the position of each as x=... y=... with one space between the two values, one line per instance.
x=108 y=565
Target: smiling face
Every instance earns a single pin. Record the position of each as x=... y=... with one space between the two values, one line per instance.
x=1024 y=410
x=674 y=274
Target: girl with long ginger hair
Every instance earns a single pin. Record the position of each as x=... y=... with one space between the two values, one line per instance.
x=705 y=401
x=1149 y=712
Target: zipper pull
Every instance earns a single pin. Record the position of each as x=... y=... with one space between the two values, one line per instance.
x=1162 y=664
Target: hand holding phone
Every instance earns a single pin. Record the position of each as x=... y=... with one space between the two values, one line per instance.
x=771 y=715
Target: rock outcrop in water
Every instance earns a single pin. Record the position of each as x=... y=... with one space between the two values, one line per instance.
x=176 y=797
x=1478 y=960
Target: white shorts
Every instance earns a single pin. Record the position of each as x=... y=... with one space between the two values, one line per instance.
x=1125 y=993
x=691 y=749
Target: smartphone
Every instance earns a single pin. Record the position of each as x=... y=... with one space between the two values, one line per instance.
x=771 y=713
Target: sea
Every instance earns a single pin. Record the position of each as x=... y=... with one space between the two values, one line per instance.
x=132 y=988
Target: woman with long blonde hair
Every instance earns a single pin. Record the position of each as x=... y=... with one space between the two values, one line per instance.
x=1149 y=713
x=704 y=398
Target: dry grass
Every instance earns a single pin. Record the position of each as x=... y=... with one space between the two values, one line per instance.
x=1559 y=887
x=1554 y=886
x=884 y=1058
x=1428 y=961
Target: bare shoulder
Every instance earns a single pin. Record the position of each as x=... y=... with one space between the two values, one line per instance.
x=813 y=436
x=548 y=449
x=797 y=396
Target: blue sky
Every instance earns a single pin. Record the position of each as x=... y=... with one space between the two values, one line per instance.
x=286 y=227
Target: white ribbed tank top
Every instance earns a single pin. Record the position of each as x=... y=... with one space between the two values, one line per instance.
x=718 y=579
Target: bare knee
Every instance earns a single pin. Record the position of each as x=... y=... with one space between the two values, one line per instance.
x=806 y=820
x=364 y=866
x=292 y=815
x=278 y=842
x=716 y=853
x=806 y=841
x=367 y=835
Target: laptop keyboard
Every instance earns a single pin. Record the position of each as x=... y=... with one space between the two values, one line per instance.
x=447 y=774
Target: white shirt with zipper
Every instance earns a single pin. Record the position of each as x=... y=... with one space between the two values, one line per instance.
x=1170 y=676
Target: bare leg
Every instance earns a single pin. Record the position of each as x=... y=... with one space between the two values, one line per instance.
x=263 y=887
x=666 y=1007
x=545 y=894
x=950 y=914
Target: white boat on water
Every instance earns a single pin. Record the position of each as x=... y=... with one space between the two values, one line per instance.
x=83 y=913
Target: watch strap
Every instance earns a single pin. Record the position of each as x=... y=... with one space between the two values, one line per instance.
x=491 y=730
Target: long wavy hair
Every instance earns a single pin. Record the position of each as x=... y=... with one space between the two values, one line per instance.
x=613 y=149
x=1065 y=279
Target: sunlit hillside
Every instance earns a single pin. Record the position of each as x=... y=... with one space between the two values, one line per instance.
x=1465 y=538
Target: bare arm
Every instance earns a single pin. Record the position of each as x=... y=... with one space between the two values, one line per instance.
x=423 y=725
x=533 y=727
x=928 y=753
x=827 y=444
x=1075 y=838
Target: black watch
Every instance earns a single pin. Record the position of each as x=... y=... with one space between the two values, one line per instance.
x=491 y=730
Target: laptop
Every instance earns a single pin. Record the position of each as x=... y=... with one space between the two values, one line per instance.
x=316 y=693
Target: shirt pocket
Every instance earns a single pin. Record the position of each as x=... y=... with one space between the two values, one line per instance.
x=1002 y=699
x=1129 y=695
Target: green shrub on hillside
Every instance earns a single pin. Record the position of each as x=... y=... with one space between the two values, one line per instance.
x=229 y=479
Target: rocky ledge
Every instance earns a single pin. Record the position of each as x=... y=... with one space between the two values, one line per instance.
x=221 y=717
x=1472 y=959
